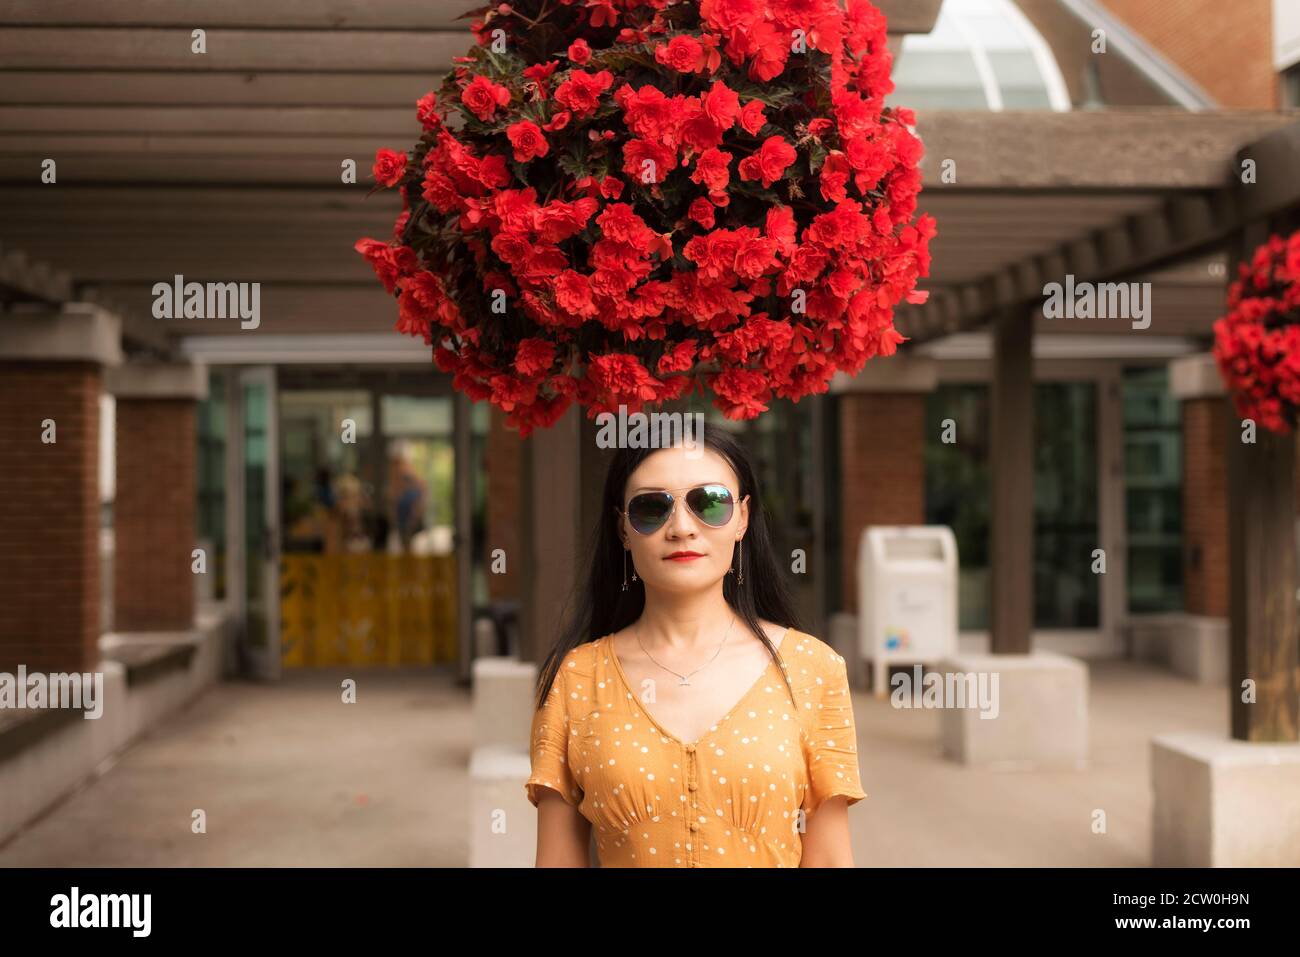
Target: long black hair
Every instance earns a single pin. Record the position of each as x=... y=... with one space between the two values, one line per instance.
x=599 y=606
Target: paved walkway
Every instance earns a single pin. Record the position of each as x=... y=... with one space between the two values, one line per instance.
x=290 y=776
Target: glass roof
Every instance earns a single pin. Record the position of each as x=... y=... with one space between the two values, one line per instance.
x=981 y=55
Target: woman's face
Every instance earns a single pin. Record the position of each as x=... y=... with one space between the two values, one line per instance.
x=685 y=554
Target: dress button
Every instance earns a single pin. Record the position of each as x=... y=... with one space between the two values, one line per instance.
x=692 y=786
x=695 y=825
x=690 y=749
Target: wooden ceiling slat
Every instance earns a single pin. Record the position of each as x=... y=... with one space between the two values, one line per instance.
x=308 y=121
x=302 y=14
x=35 y=216
x=251 y=171
x=90 y=89
x=127 y=198
x=252 y=259
x=905 y=16
x=272 y=51
x=360 y=148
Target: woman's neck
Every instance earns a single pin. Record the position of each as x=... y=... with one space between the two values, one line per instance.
x=684 y=623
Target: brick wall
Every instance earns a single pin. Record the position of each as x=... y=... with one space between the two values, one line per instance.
x=882 y=469
x=49 y=517
x=504 y=488
x=1224 y=45
x=1205 y=506
x=153 y=515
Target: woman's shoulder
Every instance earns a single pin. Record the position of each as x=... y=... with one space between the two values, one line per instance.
x=807 y=655
x=581 y=660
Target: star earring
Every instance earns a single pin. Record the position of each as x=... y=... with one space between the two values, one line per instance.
x=740 y=563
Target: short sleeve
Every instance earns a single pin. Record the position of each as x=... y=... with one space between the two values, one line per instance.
x=833 y=739
x=550 y=747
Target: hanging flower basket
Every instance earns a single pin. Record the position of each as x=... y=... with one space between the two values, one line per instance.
x=617 y=203
x=1257 y=344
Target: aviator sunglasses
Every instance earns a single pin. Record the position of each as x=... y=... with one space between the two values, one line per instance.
x=712 y=504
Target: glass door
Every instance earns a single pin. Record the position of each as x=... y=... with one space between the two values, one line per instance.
x=255 y=446
x=1068 y=503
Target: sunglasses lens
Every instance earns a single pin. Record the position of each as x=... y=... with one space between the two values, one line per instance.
x=712 y=503
x=649 y=510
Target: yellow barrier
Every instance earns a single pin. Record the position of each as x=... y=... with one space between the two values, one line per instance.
x=367 y=609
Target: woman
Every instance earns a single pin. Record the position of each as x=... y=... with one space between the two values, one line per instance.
x=682 y=714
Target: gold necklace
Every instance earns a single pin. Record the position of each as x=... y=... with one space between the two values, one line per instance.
x=685 y=682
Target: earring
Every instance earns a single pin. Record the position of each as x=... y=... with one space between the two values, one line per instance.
x=740 y=563
x=634 y=578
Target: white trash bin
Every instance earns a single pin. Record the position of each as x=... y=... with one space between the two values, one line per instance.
x=907 y=597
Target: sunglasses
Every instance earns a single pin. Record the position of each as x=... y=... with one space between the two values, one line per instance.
x=712 y=504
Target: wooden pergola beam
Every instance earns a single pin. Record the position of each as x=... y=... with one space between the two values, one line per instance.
x=1133 y=149
x=1182 y=226
x=1011 y=497
x=1188 y=222
x=1263 y=577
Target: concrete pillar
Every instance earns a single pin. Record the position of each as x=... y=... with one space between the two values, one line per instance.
x=50 y=375
x=154 y=511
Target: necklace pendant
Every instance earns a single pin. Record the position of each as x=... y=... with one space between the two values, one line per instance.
x=683 y=683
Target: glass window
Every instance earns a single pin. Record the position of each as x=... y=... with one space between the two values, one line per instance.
x=1153 y=491
x=957 y=489
x=1019 y=80
x=1291 y=88
x=1067 y=593
x=938 y=79
x=416 y=415
x=981 y=54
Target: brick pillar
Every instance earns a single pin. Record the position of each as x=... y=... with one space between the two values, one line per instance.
x=50 y=368
x=1196 y=381
x=882 y=445
x=154 y=511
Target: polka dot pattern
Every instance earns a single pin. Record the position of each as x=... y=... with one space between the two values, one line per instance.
x=737 y=797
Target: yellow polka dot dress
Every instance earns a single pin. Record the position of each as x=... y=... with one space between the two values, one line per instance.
x=731 y=799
